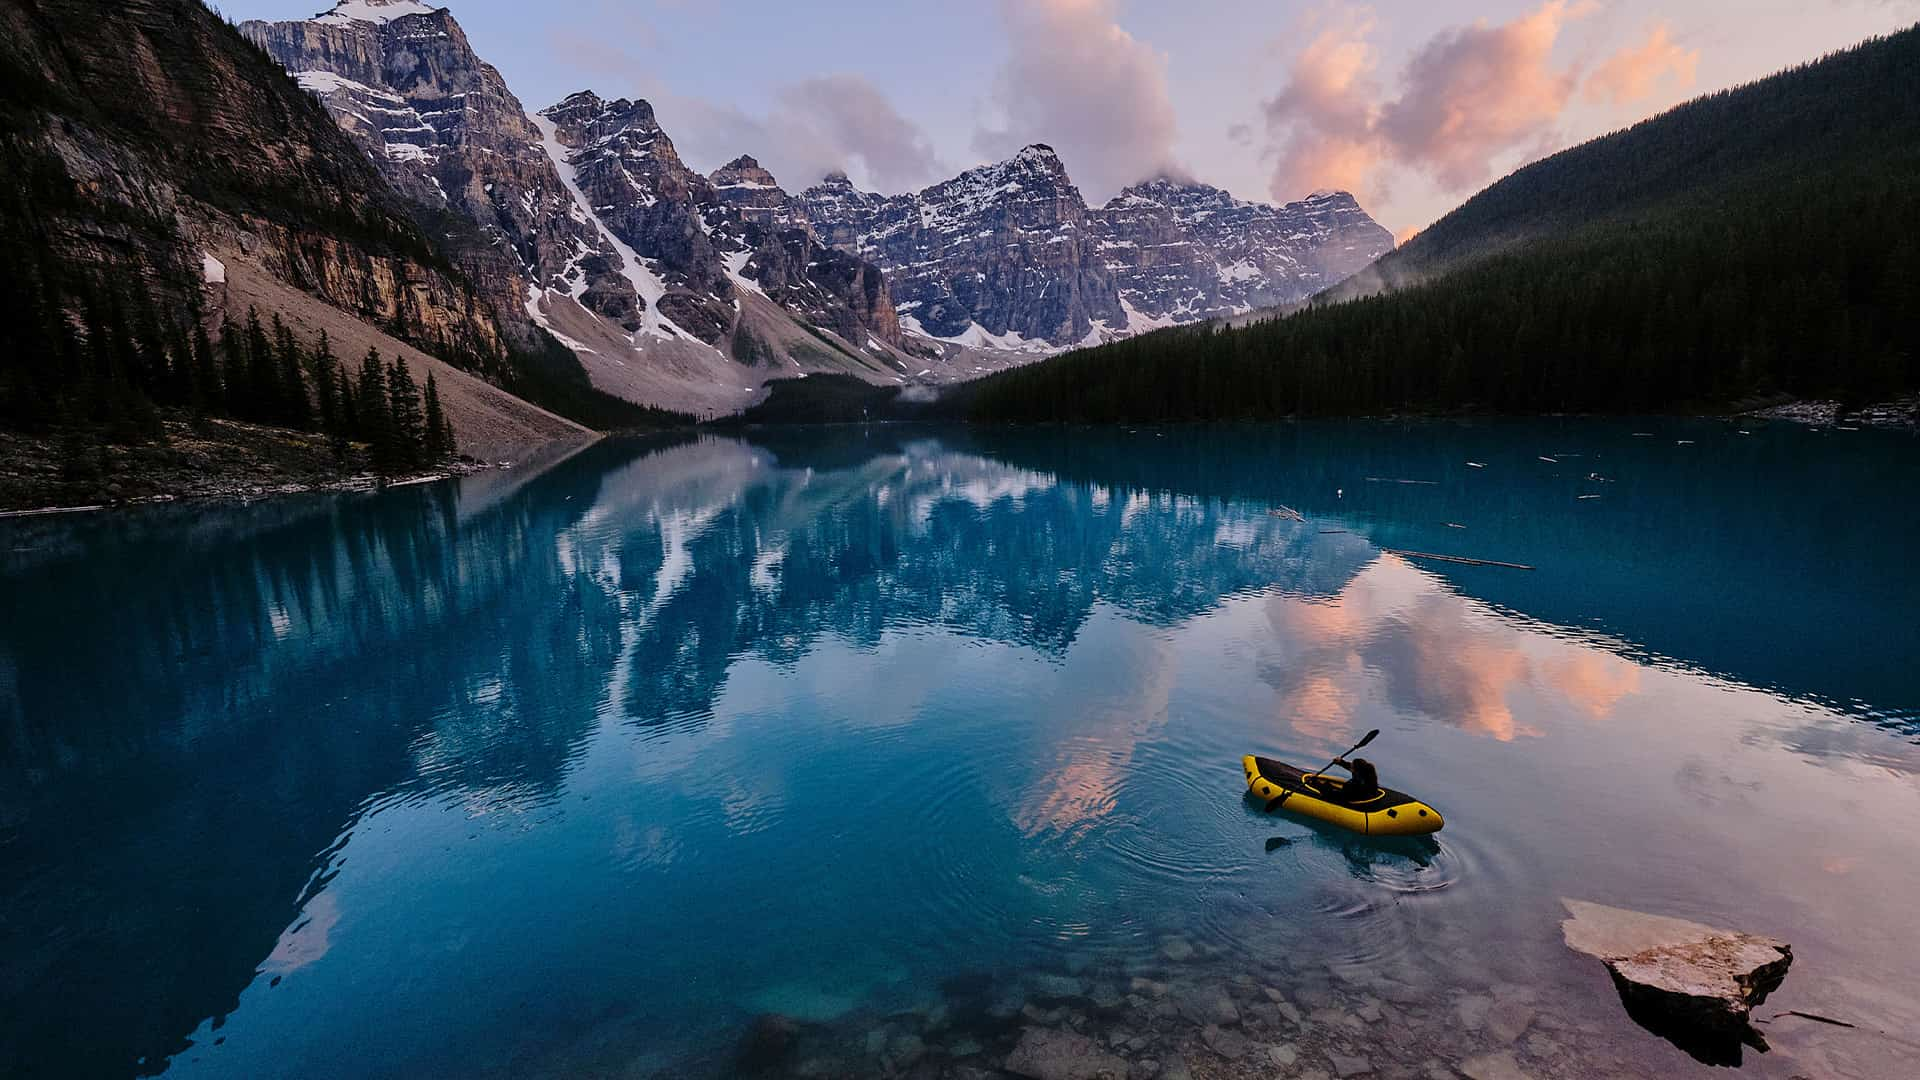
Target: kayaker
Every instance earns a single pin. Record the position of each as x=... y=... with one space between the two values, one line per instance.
x=1365 y=783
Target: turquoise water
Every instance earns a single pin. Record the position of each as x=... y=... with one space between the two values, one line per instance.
x=581 y=767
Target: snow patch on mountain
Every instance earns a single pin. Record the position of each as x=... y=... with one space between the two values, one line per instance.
x=644 y=281
x=378 y=12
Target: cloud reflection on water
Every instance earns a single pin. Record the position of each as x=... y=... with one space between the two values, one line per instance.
x=1400 y=635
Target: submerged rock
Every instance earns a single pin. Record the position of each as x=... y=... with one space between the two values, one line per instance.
x=1046 y=1054
x=1507 y=1020
x=1691 y=983
x=769 y=1040
x=1209 y=1005
x=1345 y=1066
x=1226 y=1042
x=1057 y=986
x=1495 y=1066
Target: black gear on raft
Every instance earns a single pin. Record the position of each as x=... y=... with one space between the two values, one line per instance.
x=1314 y=795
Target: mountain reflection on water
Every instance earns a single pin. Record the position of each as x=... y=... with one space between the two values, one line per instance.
x=477 y=773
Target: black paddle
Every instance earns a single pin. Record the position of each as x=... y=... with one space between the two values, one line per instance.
x=1277 y=801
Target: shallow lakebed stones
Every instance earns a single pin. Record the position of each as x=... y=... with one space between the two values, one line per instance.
x=1691 y=983
x=1050 y=1054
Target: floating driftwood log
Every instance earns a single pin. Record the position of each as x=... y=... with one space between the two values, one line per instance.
x=1461 y=559
x=1286 y=512
x=1394 y=480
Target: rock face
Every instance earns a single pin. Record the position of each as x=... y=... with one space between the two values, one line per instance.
x=401 y=78
x=1681 y=977
x=635 y=183
x=586 y=203
x=792 y=265
x=1010 y=255
x=176 y=149
x=750 y=190
x=704 y=239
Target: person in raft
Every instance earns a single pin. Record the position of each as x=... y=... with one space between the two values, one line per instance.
x=1365 y=783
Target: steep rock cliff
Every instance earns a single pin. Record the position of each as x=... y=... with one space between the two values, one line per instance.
x=402 y=79
x=145 y=135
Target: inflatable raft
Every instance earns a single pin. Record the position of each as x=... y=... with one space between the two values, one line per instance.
x=1316 y=795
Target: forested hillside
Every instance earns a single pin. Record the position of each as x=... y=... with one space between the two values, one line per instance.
x=1757 y=241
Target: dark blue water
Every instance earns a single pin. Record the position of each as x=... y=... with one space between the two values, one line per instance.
x=580 y=768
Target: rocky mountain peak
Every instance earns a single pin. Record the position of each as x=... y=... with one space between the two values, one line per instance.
x=579 y=105
x=586 y=109
x=589 y=225
x=1041 y=156
x=625 y=128
x=997 y=256
x=746 y=173
x=743 y=185
x=1038 y=163
x=1183 y=250
x=401 y=78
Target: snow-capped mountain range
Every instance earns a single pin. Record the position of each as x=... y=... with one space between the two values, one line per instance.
x=691 y=291
x=1010 y=256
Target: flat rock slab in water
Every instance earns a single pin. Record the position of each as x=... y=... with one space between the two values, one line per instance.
x=1046 y=1054
x=1678 y=975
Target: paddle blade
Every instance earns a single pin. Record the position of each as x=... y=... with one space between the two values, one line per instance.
x=1274 y=803
x=1363 y=742
x=1278 y=842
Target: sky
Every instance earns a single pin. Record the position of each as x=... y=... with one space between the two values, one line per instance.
x=1411 y=105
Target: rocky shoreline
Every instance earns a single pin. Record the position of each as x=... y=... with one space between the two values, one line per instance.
x=216 y=460
x=1903 y=413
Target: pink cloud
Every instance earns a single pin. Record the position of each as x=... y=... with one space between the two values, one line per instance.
x=1632 y=74
x=1466 y=97
x=1473 y=93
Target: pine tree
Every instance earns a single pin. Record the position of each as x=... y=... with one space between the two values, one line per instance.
x=85 y=403
x=404 y=415
x=322 y=364
x=439 y=434
x=206 y=394
x=346 y=418
x=370 y=400
x=263 y=380
x=234 y=381
x=293 y=408
x=151 y=372
x=179 y=390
